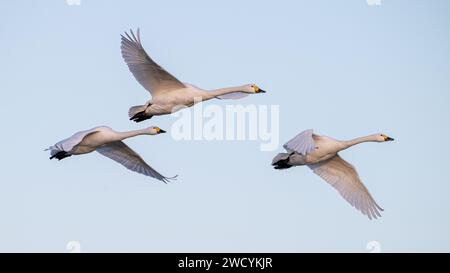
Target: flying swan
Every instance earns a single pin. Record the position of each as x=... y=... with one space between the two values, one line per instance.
x=320 y=153
x=109 y=143
x=168 y=93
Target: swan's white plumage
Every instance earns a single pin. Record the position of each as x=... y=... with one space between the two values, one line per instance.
x=68 y=144
x=148 y=73
x=108 y=143
x=122 y=154
x=302 y=143
x=168 y=93
x=320 y=153
x=233 y=96
x=343 y=177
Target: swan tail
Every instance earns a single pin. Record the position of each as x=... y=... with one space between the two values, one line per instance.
x=281 y=161
x=137 y=113
x=57 y=153
x=134 y=110
x=60 y=155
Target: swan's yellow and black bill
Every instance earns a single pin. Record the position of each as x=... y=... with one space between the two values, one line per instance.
x=160 y=131
x=257 y=89
x=386 y=138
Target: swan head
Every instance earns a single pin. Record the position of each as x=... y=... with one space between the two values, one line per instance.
x=383 y=138
x=253 y=89
x=155 y=130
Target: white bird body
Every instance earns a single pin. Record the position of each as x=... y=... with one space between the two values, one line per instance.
x=167 y=103
x=177 y=99
x=94 y=138
x=168 y=93
x=320 y=153
x=109 y=143
x=326 y=147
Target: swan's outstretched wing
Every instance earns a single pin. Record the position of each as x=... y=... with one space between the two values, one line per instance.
x=121 y=153
x=148 y=73
x=343 y=177
x=302 y=143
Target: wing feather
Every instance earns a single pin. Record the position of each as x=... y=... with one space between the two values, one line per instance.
x=343 y=177
x=68 y=144
x=302 y=143
x=147 y=72
x=122 y=154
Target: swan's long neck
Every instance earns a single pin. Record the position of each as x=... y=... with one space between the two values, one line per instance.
x=222 y=91
x=125 y=135
x=359 y=140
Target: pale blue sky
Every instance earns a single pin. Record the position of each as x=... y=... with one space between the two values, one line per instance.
x=341 y=67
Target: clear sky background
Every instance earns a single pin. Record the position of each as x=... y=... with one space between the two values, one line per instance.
x=344 y=68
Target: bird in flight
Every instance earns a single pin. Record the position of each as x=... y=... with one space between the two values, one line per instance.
x=109 y=143
x=168 y=93
x=320 y=154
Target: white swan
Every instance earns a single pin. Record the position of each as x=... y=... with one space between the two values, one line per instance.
x=168 y=93
x=320 y=153
x=109 y=143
